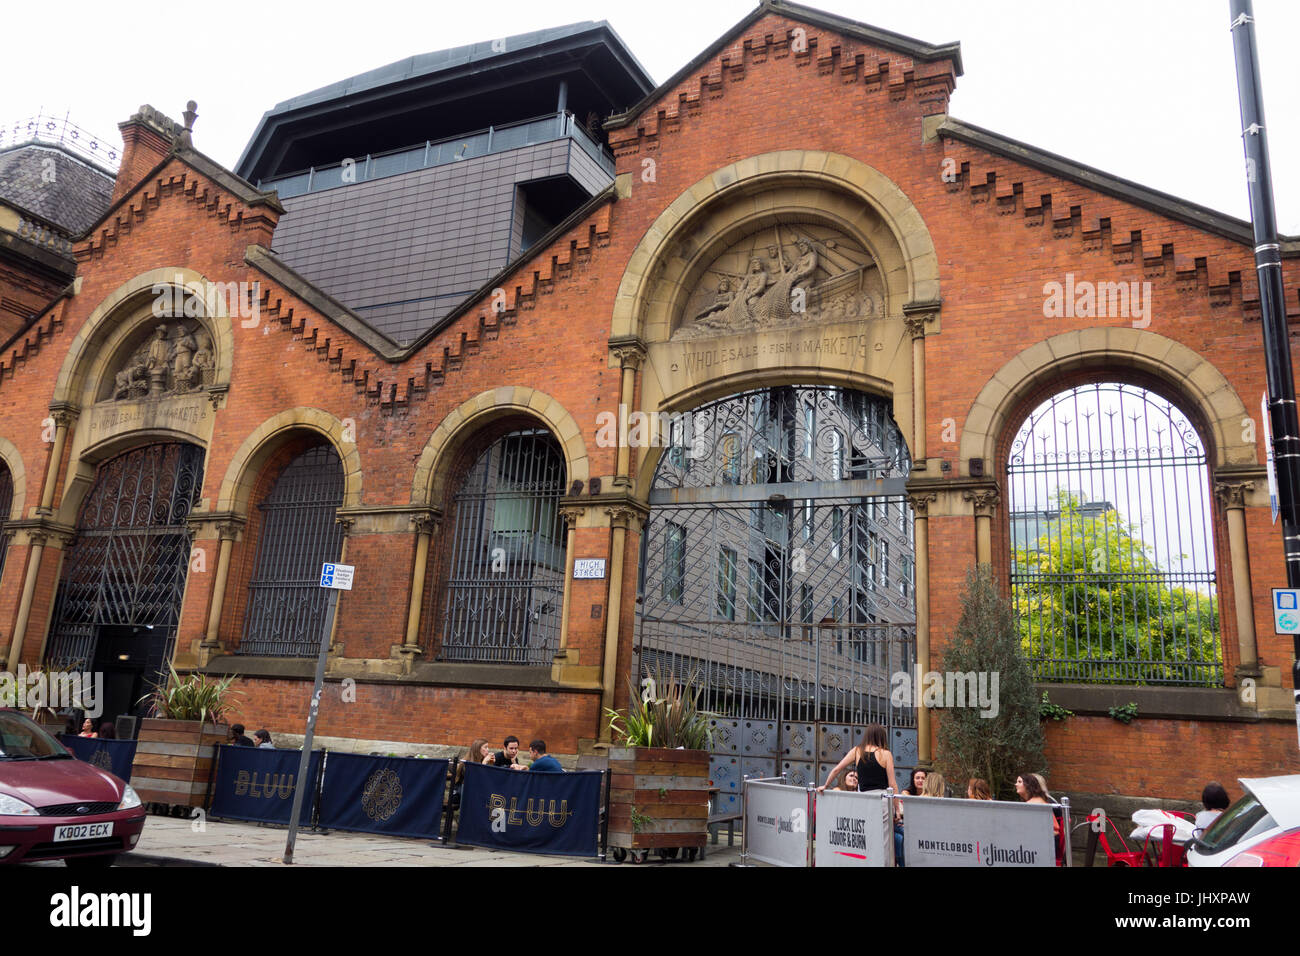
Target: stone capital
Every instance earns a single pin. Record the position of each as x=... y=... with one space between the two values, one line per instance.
x=425 y=523
x=64 y=415
x=229 y=530
x=347 y=523
x=622 y=516
x=920 y=502
x=572 y=515
x=915 y=325
x=629 y=355
x=1233 y=493
x=984 y=500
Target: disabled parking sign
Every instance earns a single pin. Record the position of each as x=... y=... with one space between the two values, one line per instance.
x=337 y=576
x=1286 y=610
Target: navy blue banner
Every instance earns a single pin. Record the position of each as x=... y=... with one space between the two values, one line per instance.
x=257 y=785
x=115 y=756
x=398 y=796
x=505 y=809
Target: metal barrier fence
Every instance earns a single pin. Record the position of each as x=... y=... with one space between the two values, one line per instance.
x=793 y=826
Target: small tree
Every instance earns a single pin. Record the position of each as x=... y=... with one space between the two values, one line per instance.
x=1000 y=747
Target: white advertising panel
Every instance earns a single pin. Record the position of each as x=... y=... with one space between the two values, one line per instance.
x=854 y=829
x=940 y=831
x=776 y=823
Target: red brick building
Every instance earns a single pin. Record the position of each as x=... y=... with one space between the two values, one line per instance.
x=797 y=238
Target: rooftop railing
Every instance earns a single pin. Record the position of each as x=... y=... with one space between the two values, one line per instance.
x=494 y=139
x=60 y=131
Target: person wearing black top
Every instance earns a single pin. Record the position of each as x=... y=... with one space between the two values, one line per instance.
x=509 y=757
x=237 y=736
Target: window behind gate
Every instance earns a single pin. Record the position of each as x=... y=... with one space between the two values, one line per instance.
x=286 y=604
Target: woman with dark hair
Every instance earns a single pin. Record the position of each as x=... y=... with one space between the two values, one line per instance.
x=978 y=789
x=1215 y=800
x=1031 y=790
x=849 y=780
x=917 y=782
x=874 y=765
x=107 y=731
x=872 y=760
x=87 y=728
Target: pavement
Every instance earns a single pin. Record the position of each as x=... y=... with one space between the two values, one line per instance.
x=169 y=841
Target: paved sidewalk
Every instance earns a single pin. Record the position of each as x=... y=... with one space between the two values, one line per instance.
x=168 y=841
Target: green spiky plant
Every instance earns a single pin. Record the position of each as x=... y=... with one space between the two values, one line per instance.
x=667 y=715
x=195 y=697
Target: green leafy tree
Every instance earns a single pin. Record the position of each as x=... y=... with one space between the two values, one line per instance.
x=1089 y=590
x=1010 y=742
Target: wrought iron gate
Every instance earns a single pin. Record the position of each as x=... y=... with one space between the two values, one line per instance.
x=1112 y=568
x=777 y=565
x=127 y=565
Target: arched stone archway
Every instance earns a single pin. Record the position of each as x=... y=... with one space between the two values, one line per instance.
x=258 y=447
x=428 y=487
x=1113 y=350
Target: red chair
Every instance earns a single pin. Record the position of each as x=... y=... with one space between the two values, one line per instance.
x=1168 y=853
x=1125 y=857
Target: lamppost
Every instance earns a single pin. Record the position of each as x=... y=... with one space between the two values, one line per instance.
x=1272 y=303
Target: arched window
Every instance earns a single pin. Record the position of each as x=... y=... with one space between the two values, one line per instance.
x=286 y=604
x=506 y=580
x=1112 y=552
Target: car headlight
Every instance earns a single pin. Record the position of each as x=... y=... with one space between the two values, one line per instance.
x=13 y=807
x=130 y=799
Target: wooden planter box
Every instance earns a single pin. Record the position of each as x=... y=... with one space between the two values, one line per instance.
x=670 y=791
x=174 y=760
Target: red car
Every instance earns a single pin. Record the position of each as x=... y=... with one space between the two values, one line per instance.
x=54 y=806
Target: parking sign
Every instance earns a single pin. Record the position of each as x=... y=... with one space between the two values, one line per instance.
x=1286 y=610
x=337 y=576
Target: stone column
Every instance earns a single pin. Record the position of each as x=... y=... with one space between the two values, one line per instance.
x=920 y=503
x=37 y=541
x=425 y=525
x=985 y=501
x=619 y=520
x=916 y=328
x=63 y=417
x=1233 y=495
x=210 y=646
x=570 y=516
x=630 y=355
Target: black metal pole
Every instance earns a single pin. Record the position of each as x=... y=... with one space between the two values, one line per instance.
x=1272 y=301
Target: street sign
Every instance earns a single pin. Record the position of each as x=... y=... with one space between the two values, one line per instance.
x=586 y=568
x=1286 y=610
x=337 y=576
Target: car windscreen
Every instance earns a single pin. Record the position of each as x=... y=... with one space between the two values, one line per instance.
x=22 y=739
x=1241 y=821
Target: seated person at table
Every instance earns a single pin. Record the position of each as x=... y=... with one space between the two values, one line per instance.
x=1030 y=790
x=543 y=761
x=934 y=785
x=1215 y=800
x=238 y=737
x=849 y=781
x=263 y=739
x=509 y=757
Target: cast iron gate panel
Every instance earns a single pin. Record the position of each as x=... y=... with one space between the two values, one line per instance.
x=128 y=562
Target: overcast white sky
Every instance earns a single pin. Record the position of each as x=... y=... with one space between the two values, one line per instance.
x=1144 y=89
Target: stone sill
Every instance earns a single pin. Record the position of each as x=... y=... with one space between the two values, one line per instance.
x=423 y=673
x=1184 y=703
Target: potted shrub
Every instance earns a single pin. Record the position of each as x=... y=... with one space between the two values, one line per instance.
x=175 y=751
x=659 y=771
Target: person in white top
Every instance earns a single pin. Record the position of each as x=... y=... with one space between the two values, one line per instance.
x=1215 y=800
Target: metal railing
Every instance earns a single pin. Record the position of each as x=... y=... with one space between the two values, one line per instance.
x=60 y=131
x=484 y=142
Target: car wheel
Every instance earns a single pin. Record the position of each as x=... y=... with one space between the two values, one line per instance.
x=101 y=862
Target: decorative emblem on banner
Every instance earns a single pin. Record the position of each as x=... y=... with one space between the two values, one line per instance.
x=382 y=795
x=102 y=760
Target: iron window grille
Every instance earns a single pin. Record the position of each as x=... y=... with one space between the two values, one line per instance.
x=287 y=607
x=1112 y=557
x=506 y=583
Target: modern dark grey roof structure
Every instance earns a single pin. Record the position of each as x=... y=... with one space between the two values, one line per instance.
x=436 y=95
x=51 y=184
x=408 y=187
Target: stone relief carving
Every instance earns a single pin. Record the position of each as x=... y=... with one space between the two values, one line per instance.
x=177 y=359
x=783 y=277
